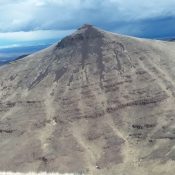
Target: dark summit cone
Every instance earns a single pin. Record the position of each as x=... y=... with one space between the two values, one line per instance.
x=86 y=32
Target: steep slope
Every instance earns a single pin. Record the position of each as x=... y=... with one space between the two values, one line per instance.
x=95 y=103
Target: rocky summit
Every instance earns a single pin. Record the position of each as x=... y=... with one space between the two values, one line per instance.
x=95 y=103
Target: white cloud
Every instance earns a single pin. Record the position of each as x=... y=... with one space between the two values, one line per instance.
x=34 y=35
x=60 y=14
x=31 y=20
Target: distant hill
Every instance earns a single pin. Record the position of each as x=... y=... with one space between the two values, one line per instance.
x=20 y=57
x=10 y=54
x=8 y=61
x=168 y=39
x=173 y=39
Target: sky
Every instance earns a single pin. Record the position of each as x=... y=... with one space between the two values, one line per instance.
x=42 y=21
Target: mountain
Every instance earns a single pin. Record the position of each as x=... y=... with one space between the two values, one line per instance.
x=95 y=103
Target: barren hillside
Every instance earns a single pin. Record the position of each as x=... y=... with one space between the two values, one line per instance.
x=95 y=103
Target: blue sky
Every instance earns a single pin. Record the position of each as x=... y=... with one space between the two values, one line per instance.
x=43 y=21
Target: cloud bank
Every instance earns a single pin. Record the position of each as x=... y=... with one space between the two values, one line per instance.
x=41 y=18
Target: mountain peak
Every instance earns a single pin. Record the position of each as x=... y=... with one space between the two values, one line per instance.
x=87 y=29
x=86 y=26
x=84 y=33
